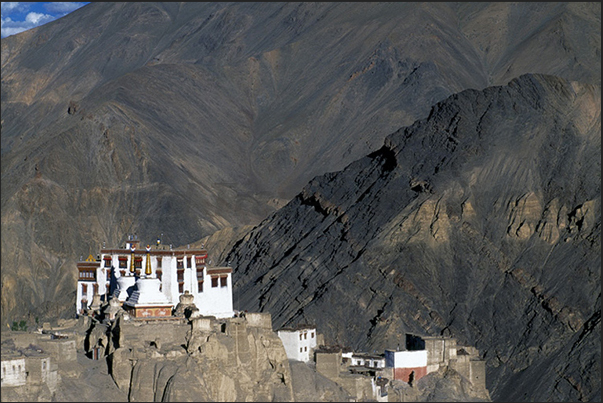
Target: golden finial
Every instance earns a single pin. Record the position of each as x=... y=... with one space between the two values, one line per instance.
x=147 y=269
x=132 y=260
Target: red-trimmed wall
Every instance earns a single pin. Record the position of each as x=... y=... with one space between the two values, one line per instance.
x=403 y=374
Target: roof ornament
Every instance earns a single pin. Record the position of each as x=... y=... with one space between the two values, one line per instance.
x=133 y=248
x=147 y=269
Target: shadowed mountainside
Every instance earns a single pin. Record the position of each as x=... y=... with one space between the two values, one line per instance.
x=482 y=221
x=188 y=118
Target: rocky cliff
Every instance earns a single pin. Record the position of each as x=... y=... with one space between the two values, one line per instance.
x=227 y=360
x=481 y=221
x=185 y=118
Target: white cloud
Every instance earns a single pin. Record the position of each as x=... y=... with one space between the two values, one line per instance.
x=21 y=22
x=38 y=18
x=63 y=6
x=10 y=7
x=32 y=20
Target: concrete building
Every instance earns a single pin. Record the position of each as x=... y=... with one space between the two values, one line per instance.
x=329 y=361
x=361 y=378
x=28 y=366
x=440 y=350
x=367 y=360
x=471 y=366
x=408 y=366
x=149 y=281
x=299 y=342
x=13 y=369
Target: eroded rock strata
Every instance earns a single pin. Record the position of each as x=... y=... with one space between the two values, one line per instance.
x=481 y=221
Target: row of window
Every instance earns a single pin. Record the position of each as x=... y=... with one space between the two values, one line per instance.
x=95 y=287
x=304 y=336
x=18 y=367
x=123 y=262
x=87 y=274
x=222 y=281
x=305 y=349
x=14 y=369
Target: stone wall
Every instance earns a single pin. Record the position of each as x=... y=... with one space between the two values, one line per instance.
x=440 y=350
x=329 y=364
x=359 y=386
x=206 y=359
x=259 y=319
x=62 y=350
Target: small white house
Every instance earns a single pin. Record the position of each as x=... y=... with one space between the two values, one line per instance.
x=367 y=360
x=299 y=342
x=407 y=366
x=13 y=371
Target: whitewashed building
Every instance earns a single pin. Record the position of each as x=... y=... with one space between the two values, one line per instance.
x=407 y=366
x=367 y=360
x=299 y=342
x=28 y=366
x=149 y=280
x=13 y=370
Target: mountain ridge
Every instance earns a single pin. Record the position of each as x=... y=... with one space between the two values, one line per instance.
x=402 y=229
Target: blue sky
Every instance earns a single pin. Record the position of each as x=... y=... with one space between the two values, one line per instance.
x=21 y=16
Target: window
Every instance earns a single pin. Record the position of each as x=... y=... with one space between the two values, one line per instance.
x=180 y=288
x=159 y=273
x=84 y=288
x=305 y=348
x=223 y=281
x=107 y=261
x=179 y=264
x=123 y=263
x=200 y=286
x=138 y=262
x=300 y=336
x=188 y=262
x=214 y=282
x=300 y=350
x=158 y=262
x=44 y=365
x=306 y=336
x=180 y=275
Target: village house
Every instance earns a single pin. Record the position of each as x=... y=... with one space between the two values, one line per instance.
x=299 y=342
x=24 y=366
x=367 y=376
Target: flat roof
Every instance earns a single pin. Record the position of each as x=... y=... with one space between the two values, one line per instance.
x=301 y=326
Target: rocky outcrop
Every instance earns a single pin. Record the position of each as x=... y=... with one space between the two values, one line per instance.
x=311 y=386
x=445 y=385
x=201 y=360
x=501 y=250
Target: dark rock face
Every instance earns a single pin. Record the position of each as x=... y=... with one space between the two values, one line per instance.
x=499 y=246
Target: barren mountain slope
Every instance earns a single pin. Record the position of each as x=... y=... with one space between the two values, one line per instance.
x=482 y=221
x=185 y=118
